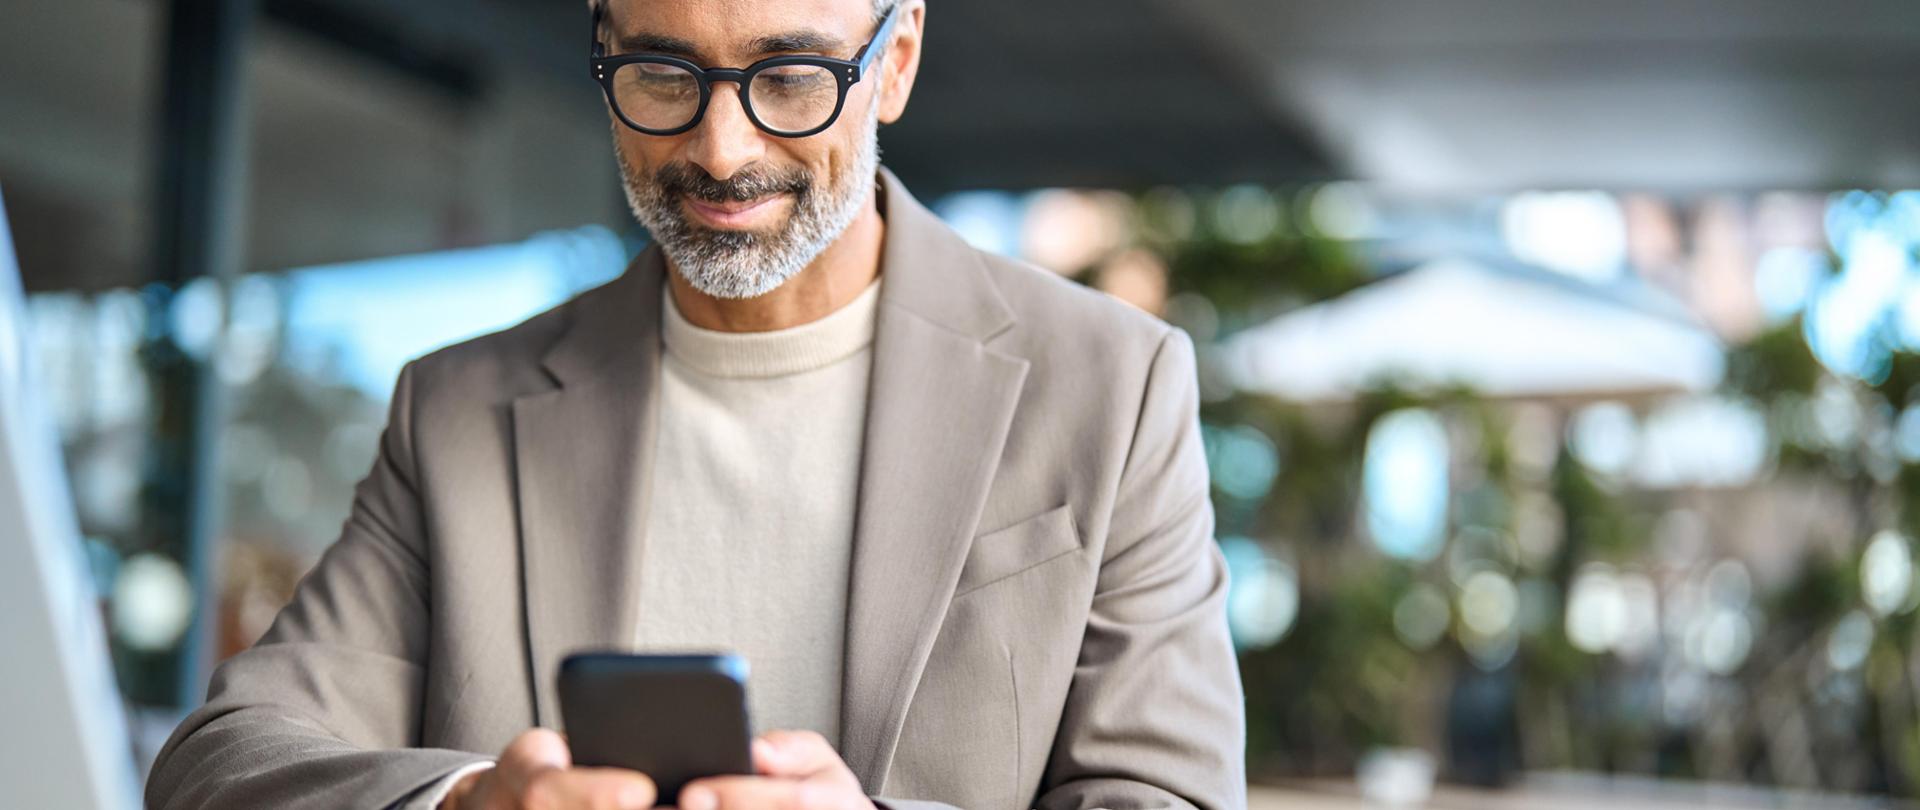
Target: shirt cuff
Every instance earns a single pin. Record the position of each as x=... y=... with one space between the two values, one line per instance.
x=431 y=798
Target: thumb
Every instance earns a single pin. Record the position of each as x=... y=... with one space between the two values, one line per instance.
x=793 y=753
x=536 y=750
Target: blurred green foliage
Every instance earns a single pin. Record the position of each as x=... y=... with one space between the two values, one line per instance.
x=1343 y=680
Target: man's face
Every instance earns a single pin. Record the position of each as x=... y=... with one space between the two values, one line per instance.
x=738 y=210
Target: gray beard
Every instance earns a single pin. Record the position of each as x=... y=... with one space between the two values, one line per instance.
x=746 y=264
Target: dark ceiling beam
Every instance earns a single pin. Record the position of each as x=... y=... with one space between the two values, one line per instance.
x=1098 y=93
x=442 y=66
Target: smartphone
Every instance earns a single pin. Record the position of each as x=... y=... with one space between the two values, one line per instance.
x=675 y=718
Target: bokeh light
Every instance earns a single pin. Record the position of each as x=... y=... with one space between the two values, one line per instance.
x=1605 y=436
x=1263 y=594
x=1850 y=641
x=1242 y=459
x=1580 y=233
x=1421 y=616
x=1406 y=483
x=1886 y=573
x=1785 y=278
x=152 y=602
x=1596 y=609
x=1489 y=603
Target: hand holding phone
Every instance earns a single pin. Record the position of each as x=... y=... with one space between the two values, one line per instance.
x=535 y=770
x=796 y=769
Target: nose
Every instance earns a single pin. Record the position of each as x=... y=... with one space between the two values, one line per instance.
x=725 y=140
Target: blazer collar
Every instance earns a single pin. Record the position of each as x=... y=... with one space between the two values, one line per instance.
x=932 y=272
x=614 y=336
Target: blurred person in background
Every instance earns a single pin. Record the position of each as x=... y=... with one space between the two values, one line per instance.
x=954 y=510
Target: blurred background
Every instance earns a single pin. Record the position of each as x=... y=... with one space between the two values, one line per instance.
x=1561 y=360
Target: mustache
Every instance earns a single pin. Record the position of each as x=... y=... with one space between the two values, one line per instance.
x=681 y=178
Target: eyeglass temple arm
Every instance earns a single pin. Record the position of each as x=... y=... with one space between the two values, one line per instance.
x=880 y=37
x=599 y=12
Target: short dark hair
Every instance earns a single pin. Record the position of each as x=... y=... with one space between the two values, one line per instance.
x=880 y=7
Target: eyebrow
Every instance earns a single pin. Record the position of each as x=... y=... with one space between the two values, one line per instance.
x=655 y=43
x=797 y=41
x=776 y=43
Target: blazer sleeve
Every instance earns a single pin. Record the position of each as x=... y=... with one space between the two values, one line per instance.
x=325 y=709
x=1155 y=715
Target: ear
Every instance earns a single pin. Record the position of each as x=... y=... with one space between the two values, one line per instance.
x=900 y=64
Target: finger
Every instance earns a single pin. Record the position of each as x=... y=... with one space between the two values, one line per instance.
x=534 y=751
x=589 y=788
x=766 y=760
x=794 y=754
x=741 y=793
x=616 y=788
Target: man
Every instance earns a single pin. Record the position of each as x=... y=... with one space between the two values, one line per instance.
x=952 y=509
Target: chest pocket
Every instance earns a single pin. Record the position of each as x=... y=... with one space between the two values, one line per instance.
x=1002 y=553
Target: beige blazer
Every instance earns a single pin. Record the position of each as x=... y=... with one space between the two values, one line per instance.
x=1035 y=612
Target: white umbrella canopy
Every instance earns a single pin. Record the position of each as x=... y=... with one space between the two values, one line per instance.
x=1455 y=322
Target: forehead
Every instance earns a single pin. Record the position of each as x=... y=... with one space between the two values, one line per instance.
x=722 y=30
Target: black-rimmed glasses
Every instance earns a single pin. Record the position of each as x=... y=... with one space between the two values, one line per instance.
x=789 y=96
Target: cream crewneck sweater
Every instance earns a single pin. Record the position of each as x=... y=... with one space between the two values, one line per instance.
x=750 y=530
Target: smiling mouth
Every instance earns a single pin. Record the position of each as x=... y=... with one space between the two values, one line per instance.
x=733 y=214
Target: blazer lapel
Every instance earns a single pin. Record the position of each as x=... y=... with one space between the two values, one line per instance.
x=582 y=453
x=940 y=405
